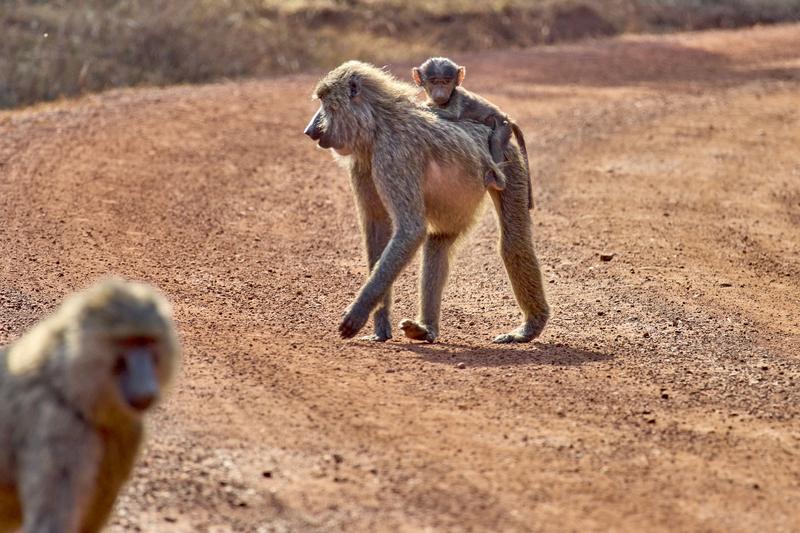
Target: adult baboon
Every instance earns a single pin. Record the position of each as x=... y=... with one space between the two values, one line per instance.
x=73 y=391
x=418 y=178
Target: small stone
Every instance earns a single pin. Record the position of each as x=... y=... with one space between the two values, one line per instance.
x=606 y=257
x=267 y=474
x=646 y=335
x=461 y=366
x=664 y=396
x=725 y=284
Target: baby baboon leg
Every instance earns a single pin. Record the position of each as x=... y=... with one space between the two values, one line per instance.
x=498 y=142
x=516 y=249
x=499 y=139
x=494 y=178
x=435 y=268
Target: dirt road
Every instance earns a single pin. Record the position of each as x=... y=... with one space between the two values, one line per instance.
x=663 y=395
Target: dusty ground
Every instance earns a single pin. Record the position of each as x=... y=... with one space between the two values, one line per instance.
x=663 y=395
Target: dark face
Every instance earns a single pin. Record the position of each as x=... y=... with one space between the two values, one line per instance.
x=439 y=77
x=136 y=371
x=439 y=89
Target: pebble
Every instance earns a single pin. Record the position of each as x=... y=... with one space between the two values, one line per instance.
x=606 y=257
x=461 y=366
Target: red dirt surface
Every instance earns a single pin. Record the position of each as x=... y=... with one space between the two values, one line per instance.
x=663 y=395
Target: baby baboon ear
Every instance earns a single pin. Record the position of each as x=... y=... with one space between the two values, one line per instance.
x=462 y=72
x=355 y=86
x=416 y=76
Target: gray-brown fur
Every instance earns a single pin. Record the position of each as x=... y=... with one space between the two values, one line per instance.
x=442 y=78
x=73 y=392
x=417 y=178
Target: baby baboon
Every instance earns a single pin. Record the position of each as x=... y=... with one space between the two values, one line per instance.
x=442 y=78
x=417 y=178
x=73 y=391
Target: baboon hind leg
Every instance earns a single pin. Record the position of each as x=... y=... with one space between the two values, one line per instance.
x=435 y=268
x=516 y=249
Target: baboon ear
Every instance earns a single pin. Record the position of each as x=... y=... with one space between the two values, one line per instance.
x=355 y=86
x=416 y=76
x=462 y=72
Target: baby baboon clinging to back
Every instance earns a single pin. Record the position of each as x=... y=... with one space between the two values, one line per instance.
x=73 y=391
x=442 y=78
x=417 y=179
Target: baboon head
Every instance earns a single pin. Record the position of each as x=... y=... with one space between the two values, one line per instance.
x=439 y=77
x=123 y=334
x=109 y=351
x=352 y=97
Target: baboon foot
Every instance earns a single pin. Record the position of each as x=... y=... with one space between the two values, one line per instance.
x=525 y=333
x=491 y=180
x=375 y=338
x=354 y=319
x=418 y=332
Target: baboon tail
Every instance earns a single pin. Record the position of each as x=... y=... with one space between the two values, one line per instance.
x=521 y=142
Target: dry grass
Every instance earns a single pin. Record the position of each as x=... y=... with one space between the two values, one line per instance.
x=59 y=48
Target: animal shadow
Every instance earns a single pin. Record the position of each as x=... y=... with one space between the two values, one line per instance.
x=557 y=354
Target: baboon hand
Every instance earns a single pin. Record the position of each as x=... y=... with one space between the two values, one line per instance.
x=354 y=319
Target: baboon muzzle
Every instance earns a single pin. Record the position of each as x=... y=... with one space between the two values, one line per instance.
x=313 y=129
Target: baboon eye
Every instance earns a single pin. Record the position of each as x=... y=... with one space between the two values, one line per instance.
x=119 y=365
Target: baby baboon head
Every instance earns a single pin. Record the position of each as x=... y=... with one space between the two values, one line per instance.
x=349 y=96
x=439 y=76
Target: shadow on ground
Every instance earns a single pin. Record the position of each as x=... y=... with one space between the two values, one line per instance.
x=515 y=355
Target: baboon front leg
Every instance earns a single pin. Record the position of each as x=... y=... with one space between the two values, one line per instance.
x=516 y=249
x=377 y=229
x=395 y=256
x=435 y=268
x=398 y=187
x=377 y=233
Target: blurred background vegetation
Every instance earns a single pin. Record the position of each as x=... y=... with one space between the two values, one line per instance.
x=50 y=49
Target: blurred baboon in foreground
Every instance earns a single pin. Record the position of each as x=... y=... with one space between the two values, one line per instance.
x=73 y=392
x=418 y=179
